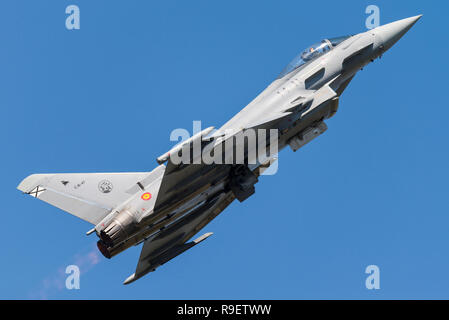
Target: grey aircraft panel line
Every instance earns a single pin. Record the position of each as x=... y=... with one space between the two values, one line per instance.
x=166 y=207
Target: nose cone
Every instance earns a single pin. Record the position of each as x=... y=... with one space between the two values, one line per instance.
x=392 y=32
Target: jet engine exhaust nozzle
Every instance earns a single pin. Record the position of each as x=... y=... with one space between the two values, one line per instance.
x=119 y=229
x=103 y=249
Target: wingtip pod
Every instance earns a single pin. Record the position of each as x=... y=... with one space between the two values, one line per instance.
x=168 y=256
x=130 y=279
x=30 y=182
x=203 y=237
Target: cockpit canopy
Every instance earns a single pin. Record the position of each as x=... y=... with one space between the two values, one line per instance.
x=311 y=53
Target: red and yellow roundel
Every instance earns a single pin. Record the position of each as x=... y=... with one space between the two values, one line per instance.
x=146 y=196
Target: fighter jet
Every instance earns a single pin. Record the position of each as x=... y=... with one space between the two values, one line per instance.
x=165 y=208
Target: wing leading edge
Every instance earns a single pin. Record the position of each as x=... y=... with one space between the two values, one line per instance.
x=172 y=241
x=88 y=196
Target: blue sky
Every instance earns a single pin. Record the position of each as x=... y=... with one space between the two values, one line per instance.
x=372 y=190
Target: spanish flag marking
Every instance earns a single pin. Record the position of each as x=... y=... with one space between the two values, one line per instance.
x=146 y=196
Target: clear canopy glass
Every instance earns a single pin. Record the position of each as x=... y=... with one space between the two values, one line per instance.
x=311 y=53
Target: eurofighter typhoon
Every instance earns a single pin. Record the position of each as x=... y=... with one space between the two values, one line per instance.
x=197 y=179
